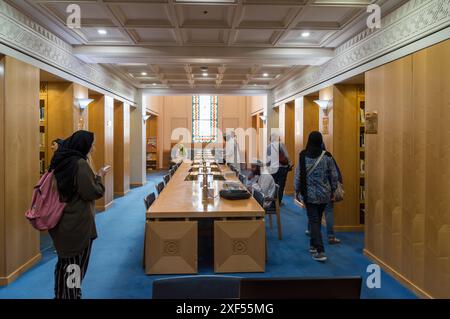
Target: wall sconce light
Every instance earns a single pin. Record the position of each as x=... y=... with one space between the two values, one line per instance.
x=146 y=117
x=83 y=103
x=263 y=118
x=325 y=105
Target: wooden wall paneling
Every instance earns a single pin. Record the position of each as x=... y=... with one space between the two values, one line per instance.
x=345 y=151
x=60 y=111
x=121 y=148
x=289 y=141
x=431 y=89
x=19 y=169
x=407 y=227
x=310 y=117
x=2 y=174
x=306 y=121
x=126 y=147
x=327 y=94
x=101 y=122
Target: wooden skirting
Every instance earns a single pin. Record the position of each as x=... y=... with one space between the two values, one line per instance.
x=137 y=184
x=121 y=193
x=103 y=208
x=13 y=276
x=417 y=290
x=359 y=228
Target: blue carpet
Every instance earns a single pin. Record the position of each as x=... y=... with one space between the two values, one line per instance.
x=115 y=269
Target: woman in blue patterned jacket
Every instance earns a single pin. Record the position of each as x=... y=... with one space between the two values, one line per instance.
x=316 y=180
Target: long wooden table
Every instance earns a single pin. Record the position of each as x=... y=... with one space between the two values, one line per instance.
x=172 y=228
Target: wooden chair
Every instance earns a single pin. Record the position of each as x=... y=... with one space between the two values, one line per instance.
x=273 y=209
x=166 y=178
x=159 y=187
x=148 y=201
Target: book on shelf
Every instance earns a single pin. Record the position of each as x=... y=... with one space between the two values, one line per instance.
x=41 y=113
x=362 y=193
x=42 y=166
x=361 y=167
x=362 y=116
x=42 y=139
x=362 y=140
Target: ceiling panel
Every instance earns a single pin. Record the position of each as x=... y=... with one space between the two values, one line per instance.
x=261 y=36
x=159 y=35
x=264 y=16
x=204 y=35
x=295 y=38
x=247 y=39
x=203 y=15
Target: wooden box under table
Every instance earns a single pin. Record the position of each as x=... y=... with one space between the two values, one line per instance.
x=239 y=246
x=171 y=247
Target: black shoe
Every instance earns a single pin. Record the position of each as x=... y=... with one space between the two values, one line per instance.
x=319 y=257
x=333 y=241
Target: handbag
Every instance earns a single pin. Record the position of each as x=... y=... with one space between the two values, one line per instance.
x=339 y=192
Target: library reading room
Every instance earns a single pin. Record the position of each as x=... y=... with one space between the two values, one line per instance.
x=224 y=149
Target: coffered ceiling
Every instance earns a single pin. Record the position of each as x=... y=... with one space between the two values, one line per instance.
x=220 y=44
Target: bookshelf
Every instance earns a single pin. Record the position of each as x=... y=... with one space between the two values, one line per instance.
x=151 y=143
x=362 y=155
x=151 y=152
x=43 y=131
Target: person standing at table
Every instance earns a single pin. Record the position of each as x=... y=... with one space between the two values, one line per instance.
x=279 y=163
x=78 y=186
x=232 y=151
x=316 y=181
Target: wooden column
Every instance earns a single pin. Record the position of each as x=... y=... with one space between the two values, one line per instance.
x=287 y=136
x=19 y=166
x=64 y=116
x=342 y=140
x=306 y=121
x=121 y=148
x=101 y=122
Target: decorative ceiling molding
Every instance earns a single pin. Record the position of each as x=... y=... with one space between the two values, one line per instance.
x=22 y=34
x=414 y=20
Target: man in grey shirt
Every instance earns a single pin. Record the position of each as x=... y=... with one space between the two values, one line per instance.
x=278 y=162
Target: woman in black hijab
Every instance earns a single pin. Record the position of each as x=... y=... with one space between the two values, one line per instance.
x=316 y=180
x=78 y=187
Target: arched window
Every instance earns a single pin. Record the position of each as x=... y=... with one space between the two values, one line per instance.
x=204 y=118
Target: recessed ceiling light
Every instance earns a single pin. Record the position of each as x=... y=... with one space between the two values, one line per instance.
x=205 y=74
x=306 y=34
x=154 y=83
x=265 y=75
x=143 y=73
x=102 y=31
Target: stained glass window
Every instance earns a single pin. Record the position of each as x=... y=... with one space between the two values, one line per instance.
x=204 y=118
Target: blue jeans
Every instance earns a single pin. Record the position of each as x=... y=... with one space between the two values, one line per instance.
x=329 y=218
x=315 y=212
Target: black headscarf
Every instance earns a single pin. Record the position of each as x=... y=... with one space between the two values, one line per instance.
x=64 y=161
x=314 y=145
x=314 y=149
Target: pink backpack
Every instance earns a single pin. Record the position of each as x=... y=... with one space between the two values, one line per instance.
x=46 y=209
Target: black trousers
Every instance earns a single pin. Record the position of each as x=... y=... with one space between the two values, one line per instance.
x=315 y=213
x=66 y=277
x=280 y=179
